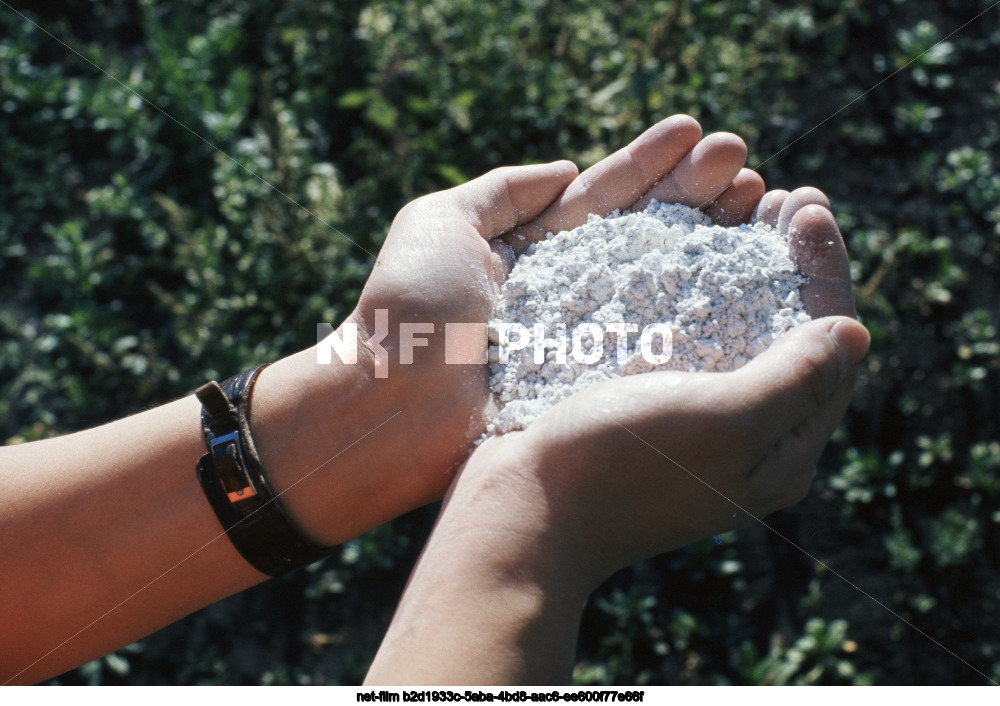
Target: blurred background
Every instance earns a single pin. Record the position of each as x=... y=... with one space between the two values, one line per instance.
x=138 y=260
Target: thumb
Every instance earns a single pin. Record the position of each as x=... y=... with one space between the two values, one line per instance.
x=804 y=383
x=509 y=196
x=805 y=372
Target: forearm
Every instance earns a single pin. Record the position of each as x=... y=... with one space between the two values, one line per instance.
x=108 y=535
x=491 y=600
x=107 y=538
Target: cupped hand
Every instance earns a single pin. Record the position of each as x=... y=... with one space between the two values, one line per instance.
x=436 y=268
x=644 y=464
x=640 y=465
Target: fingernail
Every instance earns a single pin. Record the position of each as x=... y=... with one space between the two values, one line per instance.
x=852 y=339
x=565 y=166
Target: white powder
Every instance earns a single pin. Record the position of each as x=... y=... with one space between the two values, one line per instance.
x=724 y=293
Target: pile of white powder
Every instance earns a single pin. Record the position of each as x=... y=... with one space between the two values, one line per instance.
x=725 y=294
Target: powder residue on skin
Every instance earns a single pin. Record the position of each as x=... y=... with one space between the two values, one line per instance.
x=725 y=293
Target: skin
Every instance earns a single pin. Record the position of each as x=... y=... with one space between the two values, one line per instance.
x=108 y=536
x=632 y=467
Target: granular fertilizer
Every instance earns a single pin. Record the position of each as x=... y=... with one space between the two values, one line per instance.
x=720 y=295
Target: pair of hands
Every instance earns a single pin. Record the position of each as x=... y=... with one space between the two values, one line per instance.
x=634 y=466
x=532 y=521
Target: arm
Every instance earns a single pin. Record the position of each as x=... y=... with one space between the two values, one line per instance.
x=107 y=534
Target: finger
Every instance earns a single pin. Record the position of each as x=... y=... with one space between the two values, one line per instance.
x=737 y=202
x=769 y=208
x=502 y=260
x=797 y=377
x=797 y=200
x=817 y=248
x=704 y=173
x=506 y=197
x=616 y=181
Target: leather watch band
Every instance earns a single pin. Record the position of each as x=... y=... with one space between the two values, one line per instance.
x=233 y=481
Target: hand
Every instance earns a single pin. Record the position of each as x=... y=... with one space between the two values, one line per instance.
x=442 y=263
x=621 y=471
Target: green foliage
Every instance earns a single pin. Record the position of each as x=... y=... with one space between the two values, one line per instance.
x=632 y=612
x=867 y=476
x=221 y=182
x=819 y=656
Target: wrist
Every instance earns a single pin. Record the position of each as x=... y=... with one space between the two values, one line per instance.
x=500 y=499
x=493 y=565
x=327 y=442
